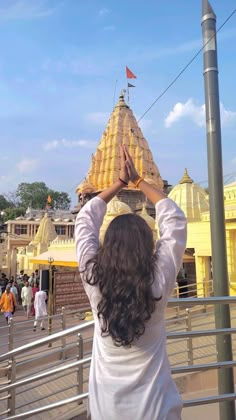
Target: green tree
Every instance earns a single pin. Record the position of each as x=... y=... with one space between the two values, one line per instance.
x=4 y=203
x=60 y=200
x=12 y=212
x=36 y=194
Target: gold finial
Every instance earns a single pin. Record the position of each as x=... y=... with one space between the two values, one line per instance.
x=121 y=102
x=186 y=178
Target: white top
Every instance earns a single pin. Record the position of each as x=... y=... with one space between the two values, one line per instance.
x=134 y=383
x=40 y=304
x=26 y=295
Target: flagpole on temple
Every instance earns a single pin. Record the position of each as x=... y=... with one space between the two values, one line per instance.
x=114 y=96
x=129 y=75
x=128 y=91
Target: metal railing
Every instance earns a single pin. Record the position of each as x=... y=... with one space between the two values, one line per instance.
x=16 y=332
x=76 y=360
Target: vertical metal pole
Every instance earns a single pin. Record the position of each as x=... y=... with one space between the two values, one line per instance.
x=177 y=297
x=218 y=240
x=80 y=355
x=11 y=402
x=63 y=340
x=50 y=300
x=11 y=368
x=189 y=340
x=10 y=334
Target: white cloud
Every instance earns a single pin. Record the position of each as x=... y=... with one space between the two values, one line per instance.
x=196 y=113
x=25 y=9
x=227 y=116
x=103 y=12
x=27 y=165
x=77 y=143
x=51 y=145
x=55 y=144
x=98 y=118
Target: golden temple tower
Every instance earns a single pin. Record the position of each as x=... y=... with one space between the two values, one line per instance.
x=122 y=128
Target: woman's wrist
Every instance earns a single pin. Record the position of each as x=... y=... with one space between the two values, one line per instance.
x=123 y=182
x=137 y=181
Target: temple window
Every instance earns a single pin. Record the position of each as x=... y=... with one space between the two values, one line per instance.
x=21 y=229
x=60 y=229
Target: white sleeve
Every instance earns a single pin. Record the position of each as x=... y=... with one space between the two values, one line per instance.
x=87 y=225
x=36 y=300
x=171 y=245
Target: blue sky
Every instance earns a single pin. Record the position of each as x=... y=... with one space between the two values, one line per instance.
x=59 y=63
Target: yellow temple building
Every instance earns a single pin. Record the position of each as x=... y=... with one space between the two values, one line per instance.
x=122 y=127
x=45 y=235
x=194 y=202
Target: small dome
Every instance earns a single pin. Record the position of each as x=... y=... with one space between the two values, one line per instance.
x=190 y=197
x=148 y=219
x=85 y=187
x=114 y=208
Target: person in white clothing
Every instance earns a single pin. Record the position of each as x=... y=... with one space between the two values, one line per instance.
x=26 y=297
x=40 y=309
x=128 y=280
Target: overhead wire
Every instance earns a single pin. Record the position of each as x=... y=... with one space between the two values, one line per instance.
x=176 y=78
x=186 y=66
x=231 y=175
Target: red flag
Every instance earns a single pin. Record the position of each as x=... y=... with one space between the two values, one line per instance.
x=129 y=74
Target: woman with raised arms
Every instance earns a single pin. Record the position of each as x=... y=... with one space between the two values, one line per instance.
x=128 y=280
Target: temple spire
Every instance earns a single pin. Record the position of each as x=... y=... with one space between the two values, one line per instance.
x=122 y=128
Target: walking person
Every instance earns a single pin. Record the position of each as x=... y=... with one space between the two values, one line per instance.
x=14 y=290
x=26 y=297
x=8 y=303
x=40 y=308
x=128 y=280
x=35 y=289
x=20 y=284
x=32 y=280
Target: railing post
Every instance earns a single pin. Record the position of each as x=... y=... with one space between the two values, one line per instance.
x=63 y=327
x=11 y=369
x=189 y=339
x=10 y=334
x=177 y=297
x=50 y=299
x=80 y=355
x=11 y=402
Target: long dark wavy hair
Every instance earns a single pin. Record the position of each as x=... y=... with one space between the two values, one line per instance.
x=123 y=269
